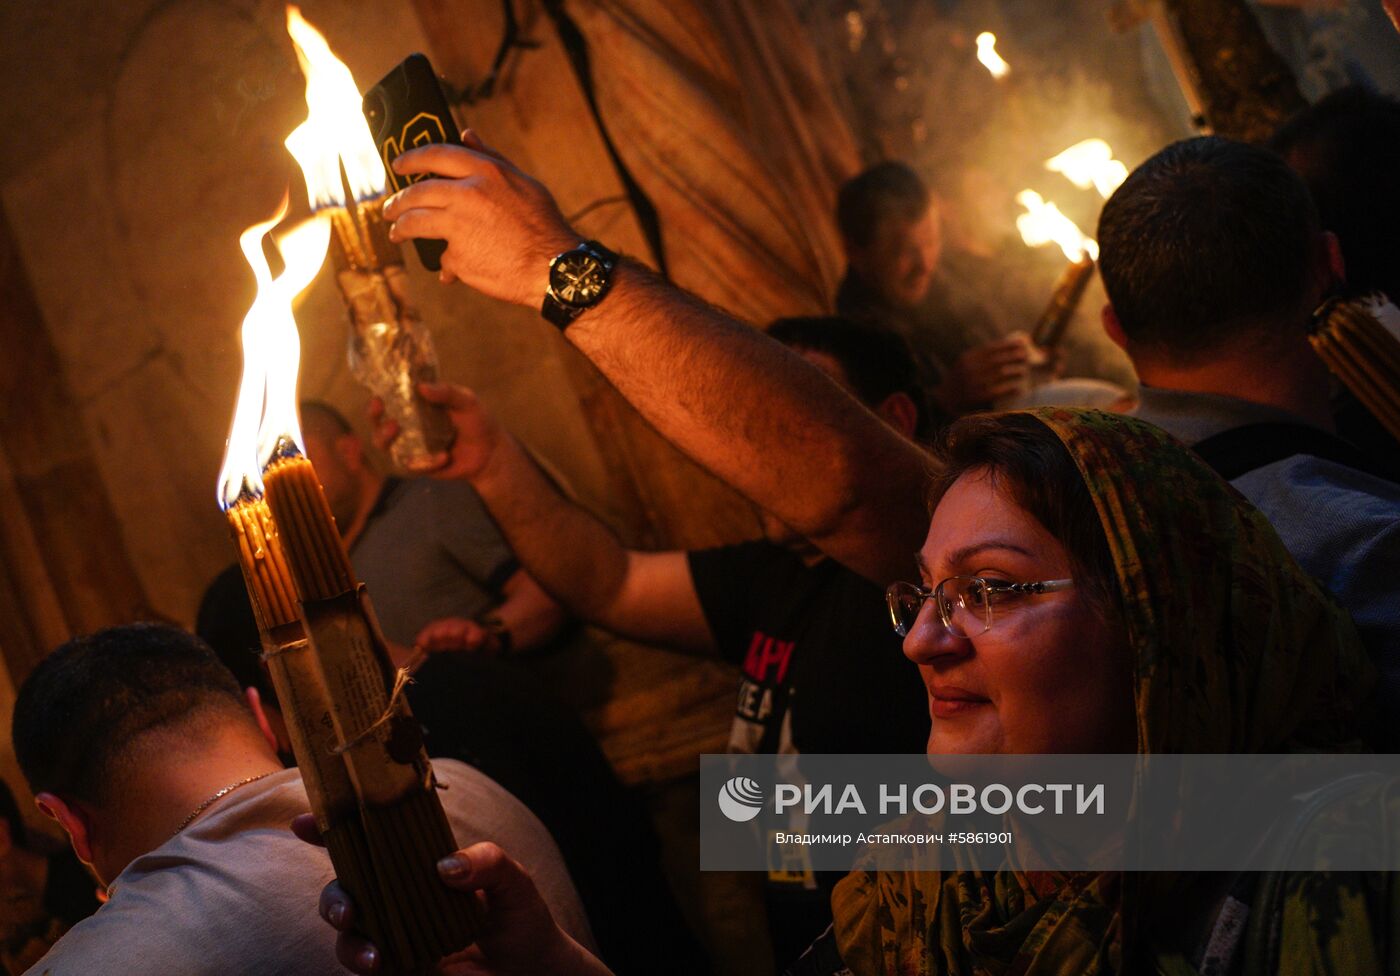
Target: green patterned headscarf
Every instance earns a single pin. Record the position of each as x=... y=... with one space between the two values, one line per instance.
x=1235 y=649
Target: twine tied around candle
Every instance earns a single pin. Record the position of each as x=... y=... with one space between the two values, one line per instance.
x=402 y=679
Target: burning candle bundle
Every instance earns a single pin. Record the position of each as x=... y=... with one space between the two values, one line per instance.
x=360 y=752
x=1042 y=224
x=390 y=350
x=1085 y=164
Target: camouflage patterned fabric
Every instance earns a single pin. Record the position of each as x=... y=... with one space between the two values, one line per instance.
x=1235 y=650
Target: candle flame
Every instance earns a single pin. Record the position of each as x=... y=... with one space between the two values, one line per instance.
x=335 y=130
x=1090 y=163
x=1043 y=223
x=265 y=419
x=987 y=54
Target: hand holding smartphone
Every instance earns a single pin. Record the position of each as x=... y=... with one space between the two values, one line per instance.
x=405 y=110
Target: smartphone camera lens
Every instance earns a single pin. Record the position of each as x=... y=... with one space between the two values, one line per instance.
x=375 y=109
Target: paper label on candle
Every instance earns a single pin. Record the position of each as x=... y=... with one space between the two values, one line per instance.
x=353 y=665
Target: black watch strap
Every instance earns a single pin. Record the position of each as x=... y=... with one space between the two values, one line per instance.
x=556 y=313
x=560 y=313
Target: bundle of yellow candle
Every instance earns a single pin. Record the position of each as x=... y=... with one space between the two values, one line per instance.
x=397 y=821
x=305 y=703
x=1359 y=340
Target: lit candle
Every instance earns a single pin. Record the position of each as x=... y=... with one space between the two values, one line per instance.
x=390 y=351
x=366 y=773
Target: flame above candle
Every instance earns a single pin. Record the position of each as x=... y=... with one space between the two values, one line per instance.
x=265 y=422
x=987 y=54
x=1043 y=223
x=265 y=418
x=1090 y=163
x=335 y=130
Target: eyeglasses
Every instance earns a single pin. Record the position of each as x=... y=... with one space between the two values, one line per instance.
x=964 y=602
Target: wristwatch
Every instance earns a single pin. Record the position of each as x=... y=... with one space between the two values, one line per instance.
x=578 y=280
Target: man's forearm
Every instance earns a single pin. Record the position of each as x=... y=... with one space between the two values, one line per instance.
x=645 y=596
x=572 y=555
x=762 y=419
x=752 y=412
x=528 y=613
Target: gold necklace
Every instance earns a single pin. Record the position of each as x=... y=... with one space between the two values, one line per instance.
x=219 y=796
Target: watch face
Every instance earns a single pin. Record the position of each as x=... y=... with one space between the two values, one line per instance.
x=578 y=278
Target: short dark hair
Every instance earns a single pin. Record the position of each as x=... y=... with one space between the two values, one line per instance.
x=877 y=362
x=1347 y=149
x=888 y=189
x=320 y=418
x=225 y=622
x=1024 y=456
x=80 y=711
x=9 y=812
x=1207 y=240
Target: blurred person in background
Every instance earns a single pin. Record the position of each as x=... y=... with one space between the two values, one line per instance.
x=1346 y=147
x=897 y=279
x=44 y=890
x=429 y=552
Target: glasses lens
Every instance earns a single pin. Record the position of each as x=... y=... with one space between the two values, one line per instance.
x=904 y=601
x=964 y=606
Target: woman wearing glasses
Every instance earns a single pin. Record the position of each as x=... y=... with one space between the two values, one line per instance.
x=1089 y=586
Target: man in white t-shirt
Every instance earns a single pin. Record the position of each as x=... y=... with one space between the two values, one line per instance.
x=139 y=743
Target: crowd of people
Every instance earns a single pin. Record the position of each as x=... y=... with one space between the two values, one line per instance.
x=1216 y=574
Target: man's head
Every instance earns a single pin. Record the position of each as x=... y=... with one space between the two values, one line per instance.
x=1347 y=149
x=874 y=365
x=338 y=457
x=1210 y=245
x=102 y=712
x=891 y=232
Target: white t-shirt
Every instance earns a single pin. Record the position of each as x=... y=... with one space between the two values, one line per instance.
x=236 y=892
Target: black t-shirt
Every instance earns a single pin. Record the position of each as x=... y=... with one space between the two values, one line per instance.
x=823 y=671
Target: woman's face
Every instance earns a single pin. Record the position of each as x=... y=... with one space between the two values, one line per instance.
x=1052 y=675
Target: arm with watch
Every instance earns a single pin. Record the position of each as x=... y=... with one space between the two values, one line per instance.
x=645 y=596
x=737 y=402
x=525 y=618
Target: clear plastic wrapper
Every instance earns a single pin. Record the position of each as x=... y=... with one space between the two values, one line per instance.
x=391 y=351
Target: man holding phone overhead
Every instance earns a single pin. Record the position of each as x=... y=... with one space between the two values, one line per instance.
x=682 y=363
x=405 y=110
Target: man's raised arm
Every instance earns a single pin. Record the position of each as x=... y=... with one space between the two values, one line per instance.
x=646 y=596
x=740 y=404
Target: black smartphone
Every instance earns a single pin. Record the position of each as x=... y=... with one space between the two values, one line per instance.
x=405 y=110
